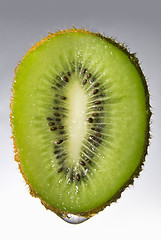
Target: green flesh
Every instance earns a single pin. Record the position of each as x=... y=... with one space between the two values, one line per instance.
x=122 y=120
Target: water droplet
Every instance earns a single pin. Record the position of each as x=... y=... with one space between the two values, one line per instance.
x=73 y=219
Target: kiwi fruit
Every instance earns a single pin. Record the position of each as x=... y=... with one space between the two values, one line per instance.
x=80 y=118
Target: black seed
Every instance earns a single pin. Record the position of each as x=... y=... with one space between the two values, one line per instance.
x=88 y=153
x=92 y=148
x=58 y=78
x=60 y=162
x=100 y=108
x=82 y=163
x=62 y=132
x=60 y=169
x=53 y=128
x=65 y=79
x=98 y=129
x=92 y=80
x=58 y=119
x=56 y=114
x=97 y=120
x=54 y=87
x=91 y=155
x=60 y=156
x=63 y=98
x=84 y=70
x=59 y=141
x=98 y=140
x=69 y=74
x=84 y=81
x=56 y=108
x=96 y=84
x=89 y=75
x=98 y=135
x=62 y=108
x=97 y=102
x=95 y=91
x=90 y=120
x=51 y=123
x=61 y=127
x=92 y=142
x=95 y=144
x=95 y=114
x=67 y=170
x=83 y=175
x=78 y=177
x=92 y=137
x=72 y=177
x=88 y=160
x=58 y=85
x=79 y=67
x=102 y=95
x=56 y=152
x=49 y=119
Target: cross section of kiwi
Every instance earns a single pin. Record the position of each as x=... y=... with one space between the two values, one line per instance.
x=80 y=119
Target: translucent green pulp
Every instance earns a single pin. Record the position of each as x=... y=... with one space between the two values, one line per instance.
x=124 y=119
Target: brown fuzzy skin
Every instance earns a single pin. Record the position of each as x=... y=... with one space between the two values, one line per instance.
x=135 y=62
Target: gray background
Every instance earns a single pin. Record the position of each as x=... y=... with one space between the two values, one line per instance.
x=137 y=215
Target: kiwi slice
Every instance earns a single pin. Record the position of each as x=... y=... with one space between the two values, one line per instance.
x=80 y=119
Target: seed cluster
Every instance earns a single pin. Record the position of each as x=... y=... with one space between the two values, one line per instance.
x=95 y=123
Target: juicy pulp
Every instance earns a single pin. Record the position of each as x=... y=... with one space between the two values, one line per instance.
x=125 y=119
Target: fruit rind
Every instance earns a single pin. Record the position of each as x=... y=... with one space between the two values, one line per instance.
x=135 y=62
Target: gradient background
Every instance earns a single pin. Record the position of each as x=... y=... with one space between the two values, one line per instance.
x=137 y=215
